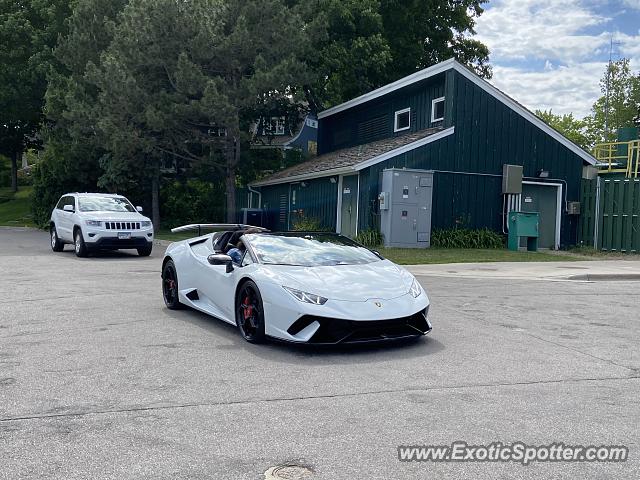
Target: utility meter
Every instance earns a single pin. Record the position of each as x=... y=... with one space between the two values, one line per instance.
x=383 y=198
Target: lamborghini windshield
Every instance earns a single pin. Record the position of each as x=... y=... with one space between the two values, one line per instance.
x=309 y=249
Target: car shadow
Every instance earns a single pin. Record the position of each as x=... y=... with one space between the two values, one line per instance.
x=285 y=352
x=105 y=255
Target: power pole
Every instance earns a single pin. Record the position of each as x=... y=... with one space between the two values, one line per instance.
x=606 y=94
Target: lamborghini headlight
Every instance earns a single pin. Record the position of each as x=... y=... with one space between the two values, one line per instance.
x=416 y=289
x=306 y=297
x=93 y=223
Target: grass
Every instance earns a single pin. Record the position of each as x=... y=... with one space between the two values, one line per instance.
x=423 y=256
x=15 y=209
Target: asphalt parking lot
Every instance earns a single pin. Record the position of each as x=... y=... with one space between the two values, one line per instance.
x=99 y=381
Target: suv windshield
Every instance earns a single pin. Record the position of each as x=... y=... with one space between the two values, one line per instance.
x=309 y=249
x=104 y=204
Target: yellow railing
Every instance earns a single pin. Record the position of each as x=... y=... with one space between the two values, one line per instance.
x=612 y=158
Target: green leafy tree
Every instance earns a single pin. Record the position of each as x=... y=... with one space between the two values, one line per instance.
x=360 y=45
x=421 y=33
x=622 y=108
x=179 y=79
x=72 y=148
x=28 y=32
x=569 y=126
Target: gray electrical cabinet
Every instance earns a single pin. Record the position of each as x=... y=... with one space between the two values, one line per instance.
x=405 y=207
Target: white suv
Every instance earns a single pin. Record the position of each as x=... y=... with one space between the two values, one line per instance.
x=94 y=221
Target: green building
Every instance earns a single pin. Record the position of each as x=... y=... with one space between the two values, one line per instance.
x=444 y=119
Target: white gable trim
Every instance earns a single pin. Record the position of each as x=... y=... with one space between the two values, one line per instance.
x=486 y=86
x=406 y=148
x=350 y=170
x=403 y=82
x=304 y=176
x=497 y=94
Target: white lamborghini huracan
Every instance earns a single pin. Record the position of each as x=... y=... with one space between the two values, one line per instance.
x=307 y=287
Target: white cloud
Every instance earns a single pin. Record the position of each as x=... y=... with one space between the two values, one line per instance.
x=520 y=29
x=562 y=89
x=632 y=3
x=543 y=55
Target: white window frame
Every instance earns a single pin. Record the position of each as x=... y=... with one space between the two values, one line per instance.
x=278 y=125
x=433 y=110
x=395 y=120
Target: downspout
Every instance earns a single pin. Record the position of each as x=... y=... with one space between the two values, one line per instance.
x=259 y=196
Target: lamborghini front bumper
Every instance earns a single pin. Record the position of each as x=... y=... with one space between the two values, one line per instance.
x=340 y=321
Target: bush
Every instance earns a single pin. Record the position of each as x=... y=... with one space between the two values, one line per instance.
x=62 y=169
x=308 y=224
x=191 y=201
x=466 y=238
x=370 y=238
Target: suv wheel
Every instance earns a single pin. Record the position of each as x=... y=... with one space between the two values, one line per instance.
x=78 y=242
x=145 y=251
x=56 y=244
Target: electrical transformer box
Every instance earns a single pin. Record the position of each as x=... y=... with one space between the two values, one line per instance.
x=405 y=207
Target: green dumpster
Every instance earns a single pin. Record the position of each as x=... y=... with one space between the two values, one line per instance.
x=523 y=224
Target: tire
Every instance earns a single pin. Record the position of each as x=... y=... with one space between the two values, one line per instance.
x=145 y=251
x=78 y=244
x=56 y=244
x=250 y=313
x=170 y=286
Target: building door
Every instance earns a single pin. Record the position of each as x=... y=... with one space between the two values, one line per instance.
x=349 y=209
x=542 y=198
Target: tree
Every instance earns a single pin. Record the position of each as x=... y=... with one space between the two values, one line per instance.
x=569 y=126
x=364 y=44
x=621 y=107
x=421 y=33
x=180 y=79
x=28 y=32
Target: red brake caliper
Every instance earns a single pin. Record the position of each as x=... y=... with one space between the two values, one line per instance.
x=248 y=309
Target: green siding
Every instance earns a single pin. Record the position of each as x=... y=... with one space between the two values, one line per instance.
x=317 y=200
x=467 y=164
x=417 y=96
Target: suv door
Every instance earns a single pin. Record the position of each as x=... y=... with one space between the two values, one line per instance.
x=65 y=219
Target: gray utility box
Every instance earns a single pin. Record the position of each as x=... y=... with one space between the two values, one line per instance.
x=405 y=207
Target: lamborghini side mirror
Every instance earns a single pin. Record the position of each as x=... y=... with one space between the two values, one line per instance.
x=221 y=259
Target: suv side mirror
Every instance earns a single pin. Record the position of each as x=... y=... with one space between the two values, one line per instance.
x=68 y=208
x=221 y=259
x=139 y=208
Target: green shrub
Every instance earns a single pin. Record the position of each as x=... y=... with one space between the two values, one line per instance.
x=370 y=238
x=308 y=224
x=466 y=238
x=191 y=201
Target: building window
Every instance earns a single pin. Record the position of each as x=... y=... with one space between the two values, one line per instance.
x=402 y=120
x=275 y=126
x=437 y=110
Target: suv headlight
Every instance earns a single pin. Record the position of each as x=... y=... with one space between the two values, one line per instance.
x=306 y=297
x=416 y=289
x=145 y=224
x=93 y=223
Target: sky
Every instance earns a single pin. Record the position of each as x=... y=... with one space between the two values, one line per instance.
x=551 y=54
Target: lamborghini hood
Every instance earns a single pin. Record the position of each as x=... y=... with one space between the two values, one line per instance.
x=356 y=283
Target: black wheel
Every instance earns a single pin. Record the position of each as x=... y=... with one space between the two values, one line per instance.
x=78 y=243
x=56 y=244
x=145 y=251
x=249 y=313
x=170 y=286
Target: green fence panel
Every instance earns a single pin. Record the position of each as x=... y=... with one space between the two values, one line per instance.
x=619 y=225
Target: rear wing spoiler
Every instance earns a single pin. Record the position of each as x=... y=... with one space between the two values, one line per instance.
x=215 y=226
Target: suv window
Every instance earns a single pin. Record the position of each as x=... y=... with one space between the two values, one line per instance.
x=66 y=200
